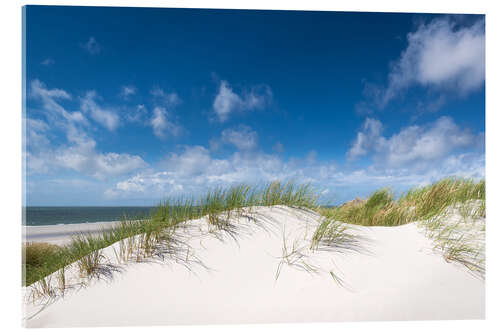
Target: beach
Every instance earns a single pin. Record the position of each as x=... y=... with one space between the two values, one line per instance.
x=392 y=273
x=61 y=234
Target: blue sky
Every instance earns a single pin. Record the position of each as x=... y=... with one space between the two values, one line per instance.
x=127 y=106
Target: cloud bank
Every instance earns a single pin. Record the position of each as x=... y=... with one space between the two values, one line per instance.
x=417 y=145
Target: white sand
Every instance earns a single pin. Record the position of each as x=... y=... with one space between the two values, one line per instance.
x=400 y=279
x=61 y=233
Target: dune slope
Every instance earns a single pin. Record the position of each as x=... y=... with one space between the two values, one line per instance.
x=392 y=274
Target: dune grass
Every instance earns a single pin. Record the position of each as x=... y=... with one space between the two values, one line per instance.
x=294 y=255
x=332 y=235
x=381 y=209
x=435 y=207
x=432 y=200
x=149 y=236
x=36 y=256
x=144 y=237
x=458 y=233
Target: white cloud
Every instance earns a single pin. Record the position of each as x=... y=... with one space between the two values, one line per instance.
x=127 y=91
x=83 y=158
x=195 y=170
x=161 y=121
x=162 y=125
x=58 y=116
x=36 y=133
x=227 y=101
x=416 y=145
x=92 y=46
x=194 y=160
x=215 y=144
x=440 y=55
x=79 y=153
x=137 y=114
x=243 y=137
x=37 y=162
x=48 y=97
x=367 y=139
x=169 y=100
x=105 y=117
x=153 y=185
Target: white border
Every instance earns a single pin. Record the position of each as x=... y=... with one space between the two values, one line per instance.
x=11 y=156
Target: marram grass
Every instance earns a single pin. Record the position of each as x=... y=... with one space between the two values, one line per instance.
x=381 y=209
x=436 y=208
x=145 y=237
x=140 y=238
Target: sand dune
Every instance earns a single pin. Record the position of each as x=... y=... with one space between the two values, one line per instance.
x=392 y=274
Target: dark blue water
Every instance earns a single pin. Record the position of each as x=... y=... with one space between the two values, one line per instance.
x=69 y=215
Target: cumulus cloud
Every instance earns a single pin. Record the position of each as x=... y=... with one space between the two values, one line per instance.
x=83 y=158
x=137 y=114
x=227 y=101
x=105 y=117
x=162 y=120
x=194 y=160
x=79 y=153
x=242 y=137
x=440 y=55
x=367 y=139
x=50 y=98
x=36 y=133
x=157 y=182
x=162 y=125
x=127 y=91
x=363 y=181
x=416 y=145
x=92 y=46
x=58 y=116
x=195 y=170
x=169 y=100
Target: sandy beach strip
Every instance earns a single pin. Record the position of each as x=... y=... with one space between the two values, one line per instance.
x=61 y=233
x=395 y=276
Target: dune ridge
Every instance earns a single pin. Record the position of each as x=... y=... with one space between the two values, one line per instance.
x=264 y=270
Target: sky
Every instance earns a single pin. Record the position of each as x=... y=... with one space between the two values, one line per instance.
x=130 y=106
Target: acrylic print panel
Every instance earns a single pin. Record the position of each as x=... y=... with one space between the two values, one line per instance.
x=194 y=166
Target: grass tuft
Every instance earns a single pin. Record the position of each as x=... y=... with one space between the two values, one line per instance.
x=295 y=256
x=332 y=235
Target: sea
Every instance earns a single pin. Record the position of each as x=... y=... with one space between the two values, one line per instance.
x=39 y=216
